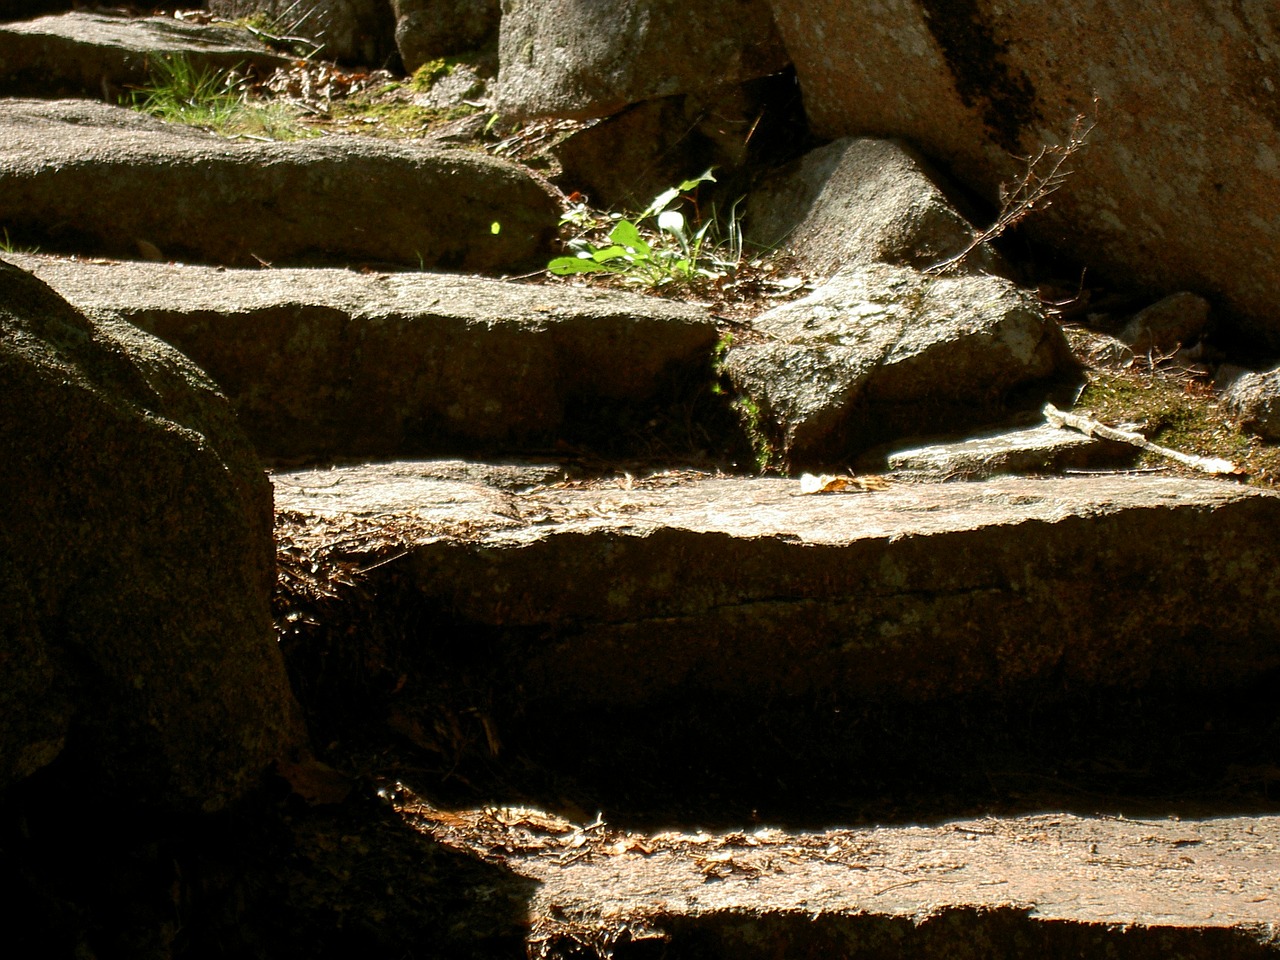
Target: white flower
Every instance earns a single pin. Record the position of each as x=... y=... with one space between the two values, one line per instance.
x=672 y=221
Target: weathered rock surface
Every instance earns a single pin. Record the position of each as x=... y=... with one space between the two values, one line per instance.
x=1051 y=885
x=1169 y=191
x=729 y=590
x=1254 y=398
x=94 y=178
x=103 y=55
x=329 y=363
x=349 y=31
x=863 y=201
x=1040 y=449
x=578 y=58
x=136 y=551
x=672 y=139
x=883 y=352
x=427 y=29
x=1175 y=321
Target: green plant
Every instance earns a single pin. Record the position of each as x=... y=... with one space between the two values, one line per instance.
x=180 y=91
x=657 y=246
x=762 y=447
x=7 y=245
x=431 y=72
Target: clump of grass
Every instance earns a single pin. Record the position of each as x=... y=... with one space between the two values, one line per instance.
x=9 y=245
x=220 y=101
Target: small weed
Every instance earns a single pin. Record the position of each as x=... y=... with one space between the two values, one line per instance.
x=216 y=100
x=658 y=246
x=8 y=245
x=762 y=447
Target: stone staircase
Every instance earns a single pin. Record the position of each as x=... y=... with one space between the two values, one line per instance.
x=705 y=713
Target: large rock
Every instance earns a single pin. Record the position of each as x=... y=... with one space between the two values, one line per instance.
x=349 y=31
x=94 y=178
x=1254 y=398
x=581 y=58
x=672 y=139
x=863 y=201
x=104 y=55
x=136 y=566
x=883 y=352
x=1172 y=191
x=328 y=363
x=428 y=29
x=740 y=589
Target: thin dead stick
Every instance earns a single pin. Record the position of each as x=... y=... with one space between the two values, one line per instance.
x=1092 y=428
x=1044 y=174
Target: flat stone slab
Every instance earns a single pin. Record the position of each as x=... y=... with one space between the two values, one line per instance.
x=629 y=593
x=1048 y=885
x=1040 y=449
x=90 y=178
x=331 y=363
x=103 y=55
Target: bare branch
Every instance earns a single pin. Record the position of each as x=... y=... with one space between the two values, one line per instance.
x=1094 y=428
x=1045 y=173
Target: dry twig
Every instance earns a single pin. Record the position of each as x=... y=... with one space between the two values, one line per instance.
x=1045 y=173
x=1093 y=428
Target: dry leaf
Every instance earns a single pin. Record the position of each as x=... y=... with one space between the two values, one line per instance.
x=828 y=483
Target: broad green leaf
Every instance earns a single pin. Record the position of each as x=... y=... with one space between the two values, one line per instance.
x=605 y=254
x=626 y=234
x=661 y=201
x=563 y=266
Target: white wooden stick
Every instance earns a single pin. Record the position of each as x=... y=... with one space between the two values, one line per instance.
x=1093 y=428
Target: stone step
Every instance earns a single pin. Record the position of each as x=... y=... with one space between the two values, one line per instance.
x=1053 y=885
x=327 y=363
x=93 y=179
x=753 y=642
x=102 y=54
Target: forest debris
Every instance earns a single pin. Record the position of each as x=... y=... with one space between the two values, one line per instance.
x=1094 y=428
x=826 y=483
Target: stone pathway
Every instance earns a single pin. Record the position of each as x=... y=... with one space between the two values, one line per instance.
x=626 y=619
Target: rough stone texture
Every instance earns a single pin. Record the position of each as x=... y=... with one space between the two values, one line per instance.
x=349 y=31
x=1254 y=398
x=96 y=178
x=1173 y=189
x=136 y=551
x=863 y=201
x=332 y=363
x=103 y=55
x=667 y=141
x=883 y=352
x=1054 y=885
x=581 y=58
x=1039 y=449
x=634 y=595
x=1178 y=320
x=427 y=29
